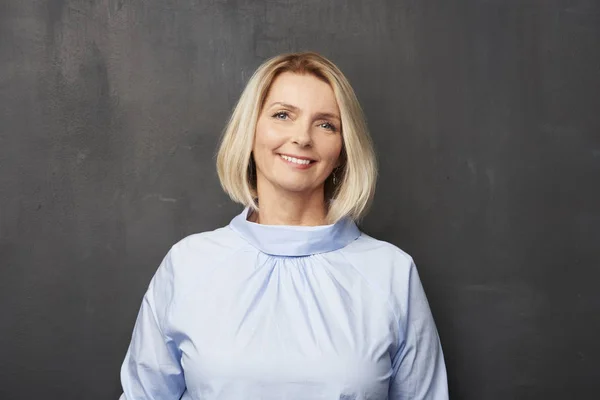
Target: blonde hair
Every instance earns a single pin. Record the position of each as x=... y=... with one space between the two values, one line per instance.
x=356 y=176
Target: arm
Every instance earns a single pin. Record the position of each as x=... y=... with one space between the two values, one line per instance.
x=151 y=369
x=419 y=372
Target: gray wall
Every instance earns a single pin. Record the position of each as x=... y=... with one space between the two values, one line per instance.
x=484 y=115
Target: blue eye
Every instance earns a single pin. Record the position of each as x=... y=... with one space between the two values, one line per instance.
x=280 y=115
x=328 y=126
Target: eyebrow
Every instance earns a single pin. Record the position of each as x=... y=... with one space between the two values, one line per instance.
x=296 y=109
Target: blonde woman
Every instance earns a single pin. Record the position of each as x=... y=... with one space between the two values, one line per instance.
x=290 y=300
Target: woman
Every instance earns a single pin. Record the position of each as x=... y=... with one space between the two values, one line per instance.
x=290 y=300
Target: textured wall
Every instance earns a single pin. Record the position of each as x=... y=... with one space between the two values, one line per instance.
x=484 y=114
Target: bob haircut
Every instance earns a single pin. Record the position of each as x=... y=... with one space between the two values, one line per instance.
x=357 y=173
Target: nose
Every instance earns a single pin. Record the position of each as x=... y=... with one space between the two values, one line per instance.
x=302 y=136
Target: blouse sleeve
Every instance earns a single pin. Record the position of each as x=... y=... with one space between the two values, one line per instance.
x=151 y=369
x=419 y=372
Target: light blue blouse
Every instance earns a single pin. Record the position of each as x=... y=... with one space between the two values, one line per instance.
x=252 y=311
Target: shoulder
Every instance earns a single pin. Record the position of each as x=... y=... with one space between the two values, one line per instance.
x=198 y=252
x=207 y=244
x=372 y=253
x=387 y=268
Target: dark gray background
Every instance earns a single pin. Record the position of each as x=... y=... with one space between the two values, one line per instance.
x=484 y=115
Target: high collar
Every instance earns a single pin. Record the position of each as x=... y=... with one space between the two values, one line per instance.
x=292 y=240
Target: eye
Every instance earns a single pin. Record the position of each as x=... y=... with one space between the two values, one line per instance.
x=328 y=126
x=281 y=115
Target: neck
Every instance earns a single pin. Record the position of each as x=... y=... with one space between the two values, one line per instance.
x=278 y=207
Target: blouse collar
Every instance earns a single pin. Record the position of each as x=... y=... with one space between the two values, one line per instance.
x=295 y=241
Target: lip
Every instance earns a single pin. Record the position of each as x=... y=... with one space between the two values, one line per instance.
x=298 y=157
x=294 y=165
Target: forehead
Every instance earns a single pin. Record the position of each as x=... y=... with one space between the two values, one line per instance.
x=303 y=91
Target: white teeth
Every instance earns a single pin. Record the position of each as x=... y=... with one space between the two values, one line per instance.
x=295 y=160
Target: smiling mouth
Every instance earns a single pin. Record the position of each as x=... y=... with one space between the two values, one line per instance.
x=299 y=161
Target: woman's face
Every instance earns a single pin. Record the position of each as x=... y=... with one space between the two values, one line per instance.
x=298 y=136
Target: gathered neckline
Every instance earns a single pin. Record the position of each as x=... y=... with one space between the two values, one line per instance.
x=293 y=240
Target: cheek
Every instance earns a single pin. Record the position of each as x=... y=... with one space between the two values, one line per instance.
x=266 y=137
x=333 y=149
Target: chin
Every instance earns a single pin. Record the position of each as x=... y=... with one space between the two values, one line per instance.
x=297 y=187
